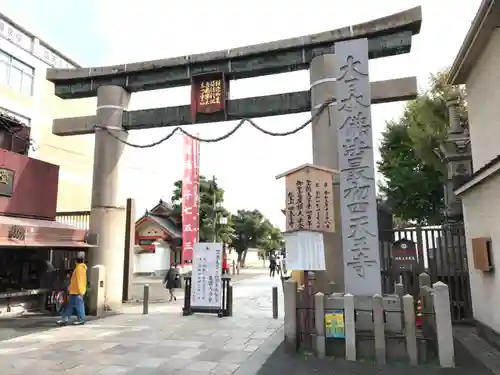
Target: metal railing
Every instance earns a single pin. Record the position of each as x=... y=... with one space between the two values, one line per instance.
x=78 y=219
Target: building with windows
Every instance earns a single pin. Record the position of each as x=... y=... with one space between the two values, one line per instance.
x=476 y=67
x=27 y=96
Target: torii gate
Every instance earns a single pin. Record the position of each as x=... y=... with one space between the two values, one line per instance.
x=113 y=85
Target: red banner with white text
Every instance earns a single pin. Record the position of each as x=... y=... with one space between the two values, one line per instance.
x=196 y=168
x=190 y=194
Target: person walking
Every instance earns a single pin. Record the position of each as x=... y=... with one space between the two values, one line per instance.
x=76 y=290
x=170 y=281
x=272 y=266
x=225 y=265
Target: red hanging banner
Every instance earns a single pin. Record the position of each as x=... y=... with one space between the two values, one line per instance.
x=196 y=180
x=190 y=194
x=209 y=93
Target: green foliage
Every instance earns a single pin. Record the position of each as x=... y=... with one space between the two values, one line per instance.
x=410 y=164
x=246 y=229
x=211 y=198
x=252 y=229
x=427 y=118
x=413 y=189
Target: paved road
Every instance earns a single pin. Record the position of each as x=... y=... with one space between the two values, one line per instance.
x=157 y=292
x=163 y=342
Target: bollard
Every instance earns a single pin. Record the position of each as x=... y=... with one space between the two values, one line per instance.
x=230 y=300
x=234 y=268
x=275 y=302
x=145 y=300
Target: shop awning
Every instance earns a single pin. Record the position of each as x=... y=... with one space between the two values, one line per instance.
x=40 y=233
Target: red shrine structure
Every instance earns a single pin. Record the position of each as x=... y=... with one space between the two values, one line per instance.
x=158 y=241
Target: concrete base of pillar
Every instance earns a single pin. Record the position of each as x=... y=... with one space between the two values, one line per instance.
x=109 y=224
x=97 y=300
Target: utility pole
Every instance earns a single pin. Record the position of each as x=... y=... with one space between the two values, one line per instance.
x=214 y=207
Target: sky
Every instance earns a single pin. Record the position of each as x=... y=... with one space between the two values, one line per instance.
x=106 y=32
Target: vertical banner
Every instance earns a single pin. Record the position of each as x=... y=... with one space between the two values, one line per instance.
x=196 y=181
x=190 y=193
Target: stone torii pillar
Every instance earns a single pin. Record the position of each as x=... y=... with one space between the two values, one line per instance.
x=108 y=214
x=325 y=154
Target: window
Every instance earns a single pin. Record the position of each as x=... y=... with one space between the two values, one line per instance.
x=16 y=74
x=18 y=142
x=24 y=120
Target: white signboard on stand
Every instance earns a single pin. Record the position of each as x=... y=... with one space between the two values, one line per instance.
x=305 y=251
x=206 y=282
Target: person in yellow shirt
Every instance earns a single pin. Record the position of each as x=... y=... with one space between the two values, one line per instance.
x=76 y=290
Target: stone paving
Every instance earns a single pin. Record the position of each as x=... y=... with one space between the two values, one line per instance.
x=163 y=342
x=282 y=363
x=158 y=293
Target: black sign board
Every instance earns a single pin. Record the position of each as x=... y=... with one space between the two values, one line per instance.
x=404 y=255
x=6 y=182
x=17 y=232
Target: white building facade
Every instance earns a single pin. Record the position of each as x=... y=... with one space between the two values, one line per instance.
x=26 y=95
x=477 y=66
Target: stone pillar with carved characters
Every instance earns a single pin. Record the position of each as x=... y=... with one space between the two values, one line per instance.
x=456 y=153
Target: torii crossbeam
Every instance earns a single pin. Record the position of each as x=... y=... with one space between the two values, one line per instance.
x=113 y=85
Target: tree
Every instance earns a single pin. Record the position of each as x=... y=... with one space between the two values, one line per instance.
x=252 y=229
x=210 y=209
x=413 y=189
x=272 y=240
x=427 y=118
x=413 y=171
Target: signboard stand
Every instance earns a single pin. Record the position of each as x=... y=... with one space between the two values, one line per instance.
x=206 y=289
x=222 y=311
x=309 y=214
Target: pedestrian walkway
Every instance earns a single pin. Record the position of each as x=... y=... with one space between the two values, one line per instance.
x=163 y=342
x=158 y=293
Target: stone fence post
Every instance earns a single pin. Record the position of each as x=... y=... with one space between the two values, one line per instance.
x=97 y=292
x=379 y=328
x=443 y=324
x=428 y=321
x=349 y=327
x=424 y=279
x=319 y=321
x=399 y=290
x=290 y=321
x=410 y=329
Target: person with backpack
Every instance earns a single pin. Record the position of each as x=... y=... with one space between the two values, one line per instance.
x=76 y=291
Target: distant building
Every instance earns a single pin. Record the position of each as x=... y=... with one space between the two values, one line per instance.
x=26 y=95
x=157 y=241
x=476 y=66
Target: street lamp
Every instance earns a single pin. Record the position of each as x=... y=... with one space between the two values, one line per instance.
x=221 y=220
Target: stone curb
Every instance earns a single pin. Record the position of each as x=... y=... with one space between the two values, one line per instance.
x=253 y=364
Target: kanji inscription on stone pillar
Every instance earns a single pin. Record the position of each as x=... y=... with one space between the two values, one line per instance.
x=357 y=170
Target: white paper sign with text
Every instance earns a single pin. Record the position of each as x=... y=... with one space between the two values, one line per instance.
x=206 y=282
x=305 y=251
